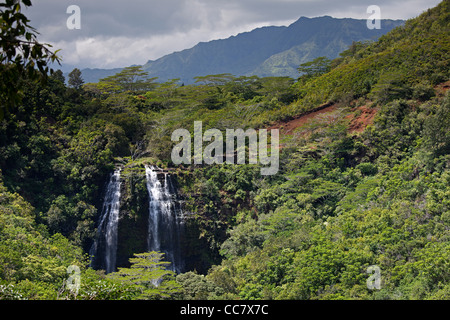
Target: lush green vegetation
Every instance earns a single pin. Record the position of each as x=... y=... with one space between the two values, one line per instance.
x=341 y=202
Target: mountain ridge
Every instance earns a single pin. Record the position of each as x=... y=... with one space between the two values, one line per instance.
x=264 y=51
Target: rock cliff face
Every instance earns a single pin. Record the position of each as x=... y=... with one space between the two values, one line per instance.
x=133 y=216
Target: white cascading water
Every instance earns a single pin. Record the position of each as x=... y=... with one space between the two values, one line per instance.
x=165 y=222
x=104 y=249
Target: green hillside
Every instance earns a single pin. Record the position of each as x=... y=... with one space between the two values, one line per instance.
x=359 y=208
x=326 y=37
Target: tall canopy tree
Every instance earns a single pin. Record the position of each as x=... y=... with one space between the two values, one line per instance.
x=133 y=79
x=315 y=68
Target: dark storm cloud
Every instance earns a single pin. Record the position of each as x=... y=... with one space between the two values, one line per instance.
x=113 y=17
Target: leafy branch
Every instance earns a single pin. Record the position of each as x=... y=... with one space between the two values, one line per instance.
x=21 y=54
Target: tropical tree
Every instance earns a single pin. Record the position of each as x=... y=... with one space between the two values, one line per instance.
x=149 y=273
x=75 y=79
x=133 y=79
x=314 y=68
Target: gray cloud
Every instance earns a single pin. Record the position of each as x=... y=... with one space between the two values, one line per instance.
x=119 y=33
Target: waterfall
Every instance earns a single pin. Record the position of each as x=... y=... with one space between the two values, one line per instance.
x=165 y=223
x=104 y=249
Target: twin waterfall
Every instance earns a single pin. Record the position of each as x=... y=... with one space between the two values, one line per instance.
x=164 y=222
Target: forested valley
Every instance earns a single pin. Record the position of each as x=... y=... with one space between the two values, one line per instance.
x=363 y=178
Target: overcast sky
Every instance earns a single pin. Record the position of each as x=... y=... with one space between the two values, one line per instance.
x=121 y=33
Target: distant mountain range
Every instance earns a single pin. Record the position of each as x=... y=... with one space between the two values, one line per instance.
x=266 y=51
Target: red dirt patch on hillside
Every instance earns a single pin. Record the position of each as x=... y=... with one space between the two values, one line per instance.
x=360 y=118
x=288 y=127
x=442 y=88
